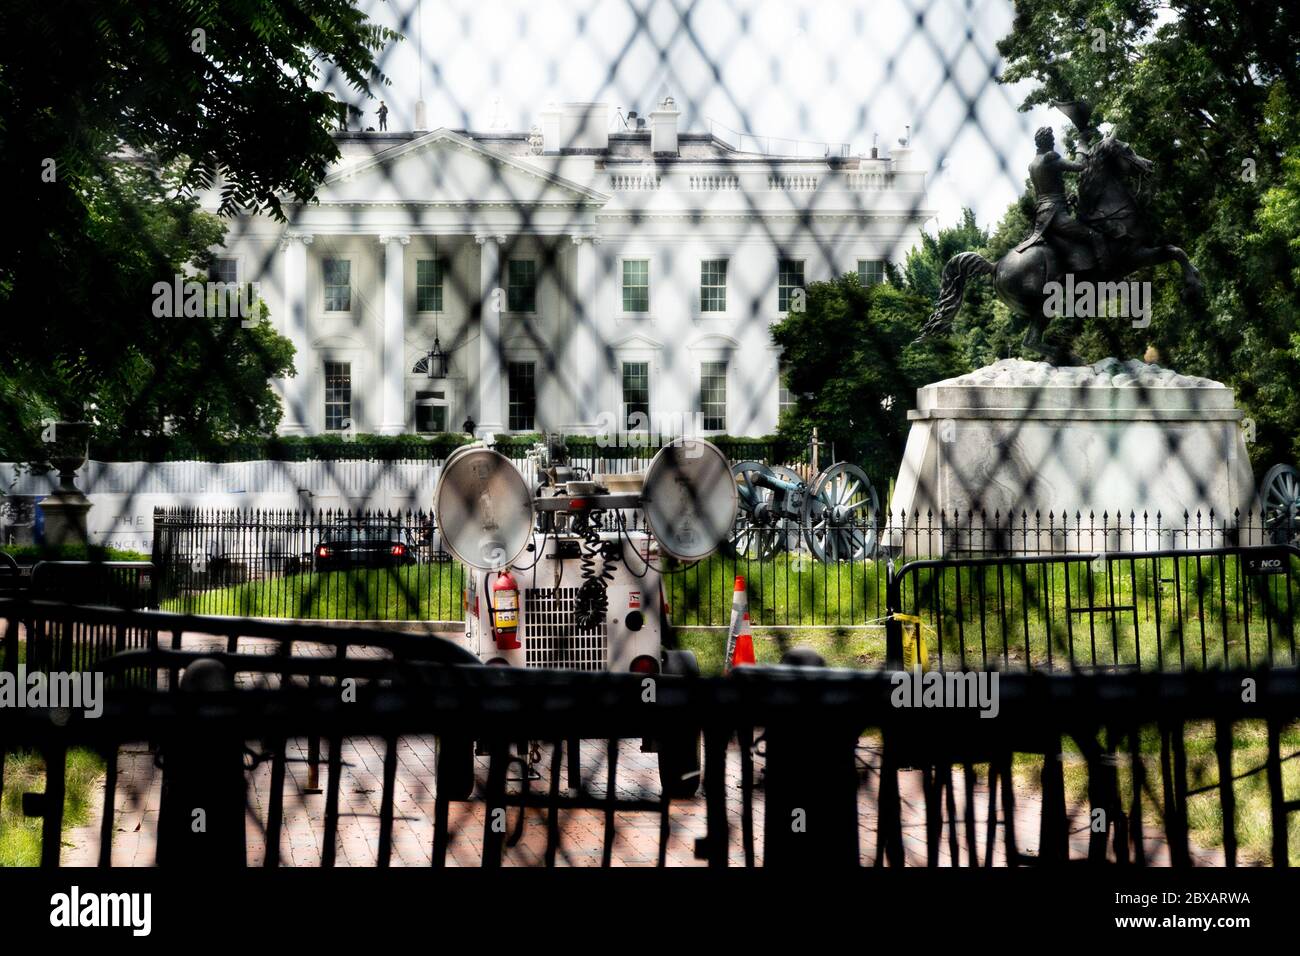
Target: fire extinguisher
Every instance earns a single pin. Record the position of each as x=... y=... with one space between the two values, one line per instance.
x=504 y=611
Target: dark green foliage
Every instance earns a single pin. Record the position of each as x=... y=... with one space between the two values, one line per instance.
x=114 y=112
x=852 y=360
x=1209 y=90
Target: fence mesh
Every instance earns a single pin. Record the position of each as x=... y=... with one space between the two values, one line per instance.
x=485 y=265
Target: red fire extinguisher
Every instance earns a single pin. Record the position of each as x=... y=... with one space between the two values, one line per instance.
x=505 y=611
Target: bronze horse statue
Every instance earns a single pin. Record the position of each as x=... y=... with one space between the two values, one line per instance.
x=1022 y=276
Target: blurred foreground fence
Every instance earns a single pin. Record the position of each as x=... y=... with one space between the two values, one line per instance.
x=873 y=782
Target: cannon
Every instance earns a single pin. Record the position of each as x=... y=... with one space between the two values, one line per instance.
x=835 y=514
x=1279 y=499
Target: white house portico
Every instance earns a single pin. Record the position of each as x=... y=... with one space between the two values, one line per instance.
x=571 y=278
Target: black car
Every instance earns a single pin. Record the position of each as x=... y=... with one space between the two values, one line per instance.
x=361 y=548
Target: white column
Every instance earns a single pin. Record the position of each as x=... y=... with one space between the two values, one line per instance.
x=491 y=392
x=296 y=391
x=393 y=374
x=584 y=360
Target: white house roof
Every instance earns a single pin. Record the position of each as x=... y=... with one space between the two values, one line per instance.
x=466 y=166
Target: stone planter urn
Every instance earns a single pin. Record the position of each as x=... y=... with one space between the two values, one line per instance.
x=65 y=510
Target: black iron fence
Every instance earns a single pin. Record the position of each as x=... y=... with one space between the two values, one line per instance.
x=270 y=563
x=324 y=564
x=75 y=645
x=1174 y=609
x=799 y=767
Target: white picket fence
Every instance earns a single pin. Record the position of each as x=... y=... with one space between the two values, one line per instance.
x=124 y=494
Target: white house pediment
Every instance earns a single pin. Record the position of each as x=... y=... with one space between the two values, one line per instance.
x=446 y=168
x=636 y=341
x=714 y=342
x=337 y=343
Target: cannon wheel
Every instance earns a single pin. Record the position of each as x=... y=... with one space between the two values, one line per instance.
x=839 y=514
x=761 y=528
x=1279 y=495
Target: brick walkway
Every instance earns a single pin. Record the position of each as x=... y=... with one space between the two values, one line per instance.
x=636 y=834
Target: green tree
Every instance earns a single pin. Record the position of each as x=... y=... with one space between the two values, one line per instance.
x=851 y=359
x=982 y=328
x=115 y=113
x=1208 y=90
x=923 y=265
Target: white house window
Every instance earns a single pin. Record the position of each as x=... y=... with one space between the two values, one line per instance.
x=871 y=271
x=713 y=396
x=521 y=285
x=521 y=378
x=636 y=395
x=789 y=278
x=713 y=285
x=338 y=284
x=338 y=396
x=428 y=285
x=636 y=285
x=785 y=399
x=432 y=412
x=224 y=270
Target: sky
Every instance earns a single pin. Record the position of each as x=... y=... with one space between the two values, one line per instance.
x=833 y=71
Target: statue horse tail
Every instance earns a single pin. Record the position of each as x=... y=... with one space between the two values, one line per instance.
x=960 y=267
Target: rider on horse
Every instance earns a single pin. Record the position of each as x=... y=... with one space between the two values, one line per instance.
x=1051 y=214
x=1109 y=253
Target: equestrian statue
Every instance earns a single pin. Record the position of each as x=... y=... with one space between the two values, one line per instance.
x=1102 y=242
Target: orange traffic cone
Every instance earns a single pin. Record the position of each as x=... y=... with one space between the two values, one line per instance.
x=744 y=652
x=739 y=624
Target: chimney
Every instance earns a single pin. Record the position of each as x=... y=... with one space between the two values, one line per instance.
x=551 y=129
x=663 y=128
x=575 y=126
x=421 y=118
x=901 y=155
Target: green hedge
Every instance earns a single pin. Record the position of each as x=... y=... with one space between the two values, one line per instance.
x=365 y=447
x=332 y=447
x=31 y=553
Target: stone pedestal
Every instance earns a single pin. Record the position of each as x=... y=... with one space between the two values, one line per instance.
x=65 y=510
x=1141 y=444
x=65 y=518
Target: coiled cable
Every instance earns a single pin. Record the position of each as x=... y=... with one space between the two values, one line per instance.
x=591 y=603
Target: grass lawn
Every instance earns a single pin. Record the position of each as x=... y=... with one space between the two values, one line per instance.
x=1204 y=802
x=412 y=593
x=786 y=590
x=1168 y=612
x=20 y=836
x=1157 y=613
x=841 y=647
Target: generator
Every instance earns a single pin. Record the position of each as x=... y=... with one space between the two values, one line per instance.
x=574 y=603
x=559 y=576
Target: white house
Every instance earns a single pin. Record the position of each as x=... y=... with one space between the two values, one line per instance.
x=571 y=276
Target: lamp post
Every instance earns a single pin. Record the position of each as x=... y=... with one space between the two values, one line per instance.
x=436 y=360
